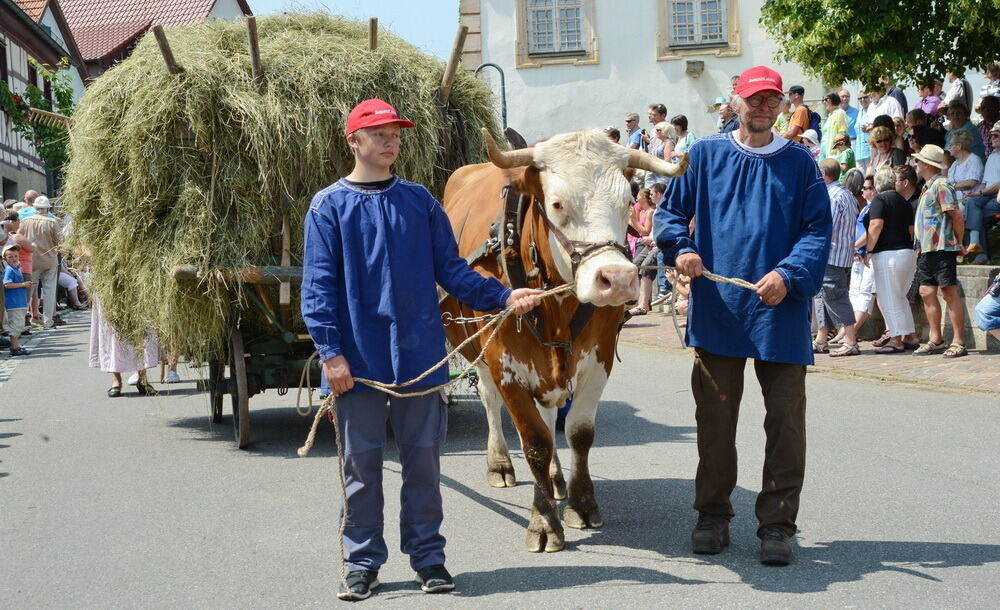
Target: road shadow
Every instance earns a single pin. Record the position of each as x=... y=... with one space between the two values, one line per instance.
x=280 y=431
x=274 y=431
x=655 y=516
x=618 y=425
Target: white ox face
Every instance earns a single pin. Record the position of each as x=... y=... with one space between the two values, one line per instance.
x=587 y=197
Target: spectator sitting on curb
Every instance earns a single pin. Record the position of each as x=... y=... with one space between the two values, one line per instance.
x=988 y=309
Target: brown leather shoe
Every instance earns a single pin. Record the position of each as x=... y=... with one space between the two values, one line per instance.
x=710 y=535
x=775 y=546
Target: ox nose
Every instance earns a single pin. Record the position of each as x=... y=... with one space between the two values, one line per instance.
x=615 y=285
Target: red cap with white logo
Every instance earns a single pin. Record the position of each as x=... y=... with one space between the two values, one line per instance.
x=757 y=79
x=370 y=113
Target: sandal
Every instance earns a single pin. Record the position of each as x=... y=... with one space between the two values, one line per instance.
x=820 y=348
x=890 y=349
x=638 y=311
x=955 y=351
x=114 y=391
x=846 y=349
x=882 y=340
x=929 y=348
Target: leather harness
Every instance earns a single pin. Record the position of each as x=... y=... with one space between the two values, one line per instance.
x=505 y=239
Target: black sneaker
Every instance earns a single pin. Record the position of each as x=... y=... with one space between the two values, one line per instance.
x=359 y=585
x=19 y=351
x=435 y=579
x=4 y=342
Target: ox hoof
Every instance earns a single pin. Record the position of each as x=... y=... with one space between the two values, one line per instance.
x=582 y=519
x=501 y=475
x=550 y=542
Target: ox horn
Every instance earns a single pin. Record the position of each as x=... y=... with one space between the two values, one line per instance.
x=507 y=159
x=640 y=160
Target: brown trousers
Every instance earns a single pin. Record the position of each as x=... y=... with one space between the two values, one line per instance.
x=717 y=385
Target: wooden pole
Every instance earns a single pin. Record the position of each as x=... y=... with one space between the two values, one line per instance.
x=254 y=44
x=453 y=61
x=284 y=291
x=372 y=33
x=168 y=54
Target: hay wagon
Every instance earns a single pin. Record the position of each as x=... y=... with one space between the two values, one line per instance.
x=275 y=358
x=265 y=345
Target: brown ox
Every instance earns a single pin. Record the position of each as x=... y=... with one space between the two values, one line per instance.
x=576 y=199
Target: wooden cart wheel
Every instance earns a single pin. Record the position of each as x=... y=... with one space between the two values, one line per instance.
x=216 y=391
x=241 y=396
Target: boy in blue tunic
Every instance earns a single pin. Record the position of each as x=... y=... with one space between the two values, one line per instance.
x=761 y=213
x=375 y=245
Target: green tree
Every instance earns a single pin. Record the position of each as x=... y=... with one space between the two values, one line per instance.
x=913 y=41
x=50 y=142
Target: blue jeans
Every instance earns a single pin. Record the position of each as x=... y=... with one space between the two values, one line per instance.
x=977 y=209
x=661 y=274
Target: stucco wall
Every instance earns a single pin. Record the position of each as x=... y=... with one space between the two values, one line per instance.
x=77 y=82
x=557 y=98
x=226 y=9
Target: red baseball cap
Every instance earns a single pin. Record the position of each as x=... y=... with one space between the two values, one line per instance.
x=370 y=113
x=757 y=79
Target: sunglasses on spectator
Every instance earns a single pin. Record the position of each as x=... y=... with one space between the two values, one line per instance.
x=772 y=101
x=868 y=188
x=882 y=141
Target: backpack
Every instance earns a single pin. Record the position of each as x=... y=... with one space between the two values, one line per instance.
x=814 y=122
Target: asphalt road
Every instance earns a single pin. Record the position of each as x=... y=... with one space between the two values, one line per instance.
x=140 y=502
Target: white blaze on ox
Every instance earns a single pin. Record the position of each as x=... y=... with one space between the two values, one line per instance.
x=587 y=197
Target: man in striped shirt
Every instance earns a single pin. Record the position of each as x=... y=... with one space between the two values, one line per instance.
x=833 y=306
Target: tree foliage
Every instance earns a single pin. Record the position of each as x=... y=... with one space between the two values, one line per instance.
x=50 y=142
x=911 y=40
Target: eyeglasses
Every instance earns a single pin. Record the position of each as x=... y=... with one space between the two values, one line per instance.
x=756 y=100
x=882 y=141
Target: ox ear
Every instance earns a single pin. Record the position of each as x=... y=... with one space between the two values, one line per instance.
x=530 y=183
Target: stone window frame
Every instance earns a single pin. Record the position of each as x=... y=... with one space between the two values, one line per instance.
x=525 y=59
x=664 y=52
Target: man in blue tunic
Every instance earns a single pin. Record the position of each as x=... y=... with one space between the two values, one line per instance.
x=375 y=245
x=761 y=213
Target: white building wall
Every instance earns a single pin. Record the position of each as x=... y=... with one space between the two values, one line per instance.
x=226 y=9
x=76 y=80
x=558 y=98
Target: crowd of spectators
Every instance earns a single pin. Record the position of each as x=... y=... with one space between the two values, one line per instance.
x=913 y=192
x=34 y=270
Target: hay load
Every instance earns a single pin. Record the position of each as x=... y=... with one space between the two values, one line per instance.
x=200 y=167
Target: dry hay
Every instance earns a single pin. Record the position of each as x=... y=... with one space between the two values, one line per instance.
x=198 y=168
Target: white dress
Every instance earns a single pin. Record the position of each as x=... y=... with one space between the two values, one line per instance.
x=112 y=355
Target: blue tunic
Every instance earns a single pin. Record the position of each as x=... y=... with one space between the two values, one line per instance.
x=371 y=261
x=755 y=210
